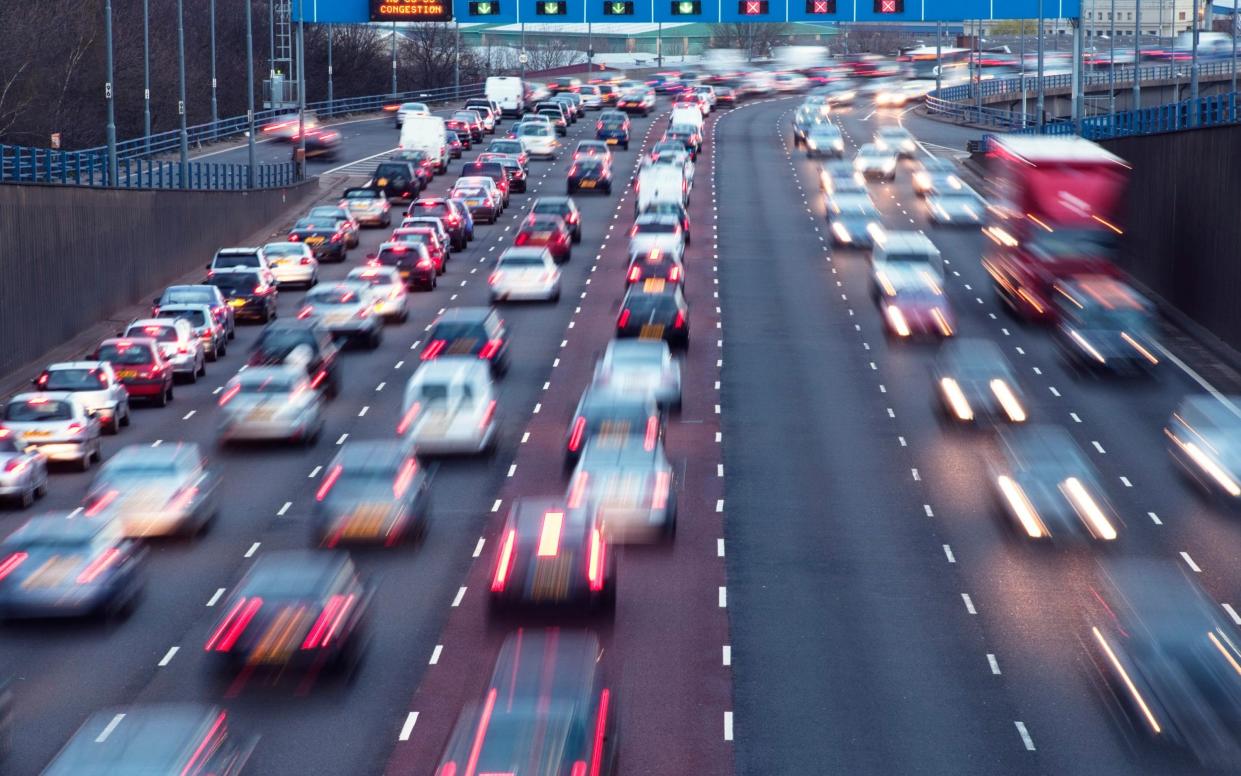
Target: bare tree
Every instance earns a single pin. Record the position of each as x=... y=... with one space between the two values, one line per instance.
x=757 y=39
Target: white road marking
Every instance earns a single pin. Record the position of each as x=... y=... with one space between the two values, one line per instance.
x=284 y=509
x=1190 y=562
x=342 y=439
x=189 y=415
x=917 y=477
x=901 y=439
x=719 y=470
x=314 y=472
x=995 y=665
x=107 y=731
x=168 y=656
x=525 y=437
x=929 y=512
x=365 y=409
x=456 y=601
x=213 y=600
x=1098 y=447
x=1154 y=518
x=728 y=655
x=723 y=597
x=1025 y=735
x=719 y=547
x=157 y=443
x=948 y=551
x=1076 y=419
x=380 y=387
x=1236 y=618
x=969 y=603
x=719 y=505
x=435 y=653
x=408 y=728
x=1125 y=481
x=253 y=549
x=728 y=726
x=1053 y=390
x=512 y=469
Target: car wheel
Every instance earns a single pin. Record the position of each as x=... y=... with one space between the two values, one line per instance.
x=125 y=417
x=375 y=338
x=577 y=236
x=84 y=462
x=40 y=490
x=222 y=348
x=232 y=332
x=214 y=354
x=202 y=367
x=192 y=377
x=265 y=317
x=171 y=391
x=113 y=425
x=162 y=399
x=26 y=499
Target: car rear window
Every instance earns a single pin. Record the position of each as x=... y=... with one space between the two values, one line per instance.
x=157 y=333
x=392 y=171
x=235 y=282
x=452 y=330
x=332 y=296
x=534 y=130
x=433 y=208
x=514 y=262
x=277 y=343
x=488 y=169
x=304 y=224
x=73 y=380
x=361 y=194
x=541 y=225
x=391 y=258
x=237 y=260
x=656 y=228
x=125 y=354
x=643 y=304
x=189 y=296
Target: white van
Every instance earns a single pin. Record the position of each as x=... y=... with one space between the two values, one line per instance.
x=661 y=183
x=426 y=133
x=509 y=92
x=686 y=114
x=450 y=407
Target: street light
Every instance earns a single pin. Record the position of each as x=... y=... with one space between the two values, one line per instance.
x=110 y=129
x=250 y=92
x=185 y=136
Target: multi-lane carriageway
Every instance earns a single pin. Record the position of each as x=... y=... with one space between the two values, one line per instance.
x=840 y=597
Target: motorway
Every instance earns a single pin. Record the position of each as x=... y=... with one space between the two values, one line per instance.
x=841 y=596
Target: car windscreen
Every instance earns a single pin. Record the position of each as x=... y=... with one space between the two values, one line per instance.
x=235 y=282
x=144 y=467
x=38 y=411
x=125 y=354
x=73 y=380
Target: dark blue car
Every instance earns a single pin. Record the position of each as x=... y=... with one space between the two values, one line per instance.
x=613 y=129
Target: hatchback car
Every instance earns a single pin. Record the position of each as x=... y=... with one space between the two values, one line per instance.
x=413 y=264
x=200 y=294
x=293 y=263
x=326 y=236
x=387 y=289
x=249 y=294
x=446 y=211
x=305 y=344
x=592 y=173
x=546 y=231
x=663 y=315
x=397 y=179
x=177 y=344
x=23 y=471
x=629 y=484
x=469 y=331
x=872 y=161
x=373 y=492
x=641 y=367
x=138 y=364
x=155 y=491
x=268 y=403
x=449 y=407
x=95 y=385
x=525 y=274
x=565 y=208
x=347 y=310
x=369 y=206
x=605 y=412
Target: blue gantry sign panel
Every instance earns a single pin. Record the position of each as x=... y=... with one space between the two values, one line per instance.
x=672 y=11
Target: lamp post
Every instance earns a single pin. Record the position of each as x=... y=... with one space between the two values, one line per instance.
x=108 y=92
x=1137 y=57
x=1040 y=94
x=250 y=93
x=185 y=135
x=301 y=89
x=329 y=65
x=394 y=59
x=146 y=75
x=215 y=113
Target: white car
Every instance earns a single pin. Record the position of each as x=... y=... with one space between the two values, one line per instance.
x=177 y=344
x=387 y=289
x=23 y=471
x=411 y=109
x=95 y=385
x=538 y=140
x=656 y=231
x=875 y=162
x=347 y=310
x=707 y=91
x=592 y=97
x=271 y=403
x=211 y=333
x=56 y=424
x=525 y=273
x=956 y=207
x=638 y=366
x=897 y=139
x=450 y=407
x=292 y=263
x=789 y=82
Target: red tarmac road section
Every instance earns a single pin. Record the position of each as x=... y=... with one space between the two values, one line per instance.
x=663 y=655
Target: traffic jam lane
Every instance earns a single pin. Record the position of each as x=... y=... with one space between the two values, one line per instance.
x=672 y=689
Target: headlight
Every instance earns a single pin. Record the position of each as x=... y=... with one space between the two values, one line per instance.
x=839 y=145
x=896 y=320
x=956 y=399
x=1021 y=506
x=813 y=146
x=841 y=232
x=1087 y=509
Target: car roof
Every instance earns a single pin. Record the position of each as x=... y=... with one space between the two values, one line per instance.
x=521 y=665
x=57 y=525
x=114 y=741
x=451 y=368
x=90 y=364
x=618 y=452
x=465 y=314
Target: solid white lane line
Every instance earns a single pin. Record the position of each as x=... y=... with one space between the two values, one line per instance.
x=408 y=728
x=213 y=600
x=456 y=601
x=478 y=548
x=435 y=653
x=253 y=549
x=1190 y=562
x=168 y=656
x=995 y=665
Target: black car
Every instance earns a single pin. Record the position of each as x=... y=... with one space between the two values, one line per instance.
x=248 y=294
x=469 y=331
x=322 y=143
x=613 y=129
x=182 y=738
x=655 y=271
x=310 y=339
x=201 y=294
x=446 y=211
x=372 y=492
x=546 y=710
x=608 y=414
x=455 y=146
x=396 y=179
x=564 y=207
x=412 y=261
x=558 y=114
x=687 y=134
x=58 y=566
x=462 y=129
x=326 y=236
x=553 y=558
x=590 y=172
x=517 y=178
x=294 y=609
x=663 y=315
x=473 y=123
x=424 y=165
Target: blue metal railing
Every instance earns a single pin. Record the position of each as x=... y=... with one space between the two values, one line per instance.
x=138 y=166
x=1216 y=110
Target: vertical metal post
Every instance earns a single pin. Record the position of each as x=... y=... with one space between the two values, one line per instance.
x=271 y=42
x=1235 y=30
x=659 y=45
x=939 y=54
x=1021 y=64
x=329 y=66
x=590 y=49
x=1111 y=60
x=393 y=58
x=108 y=91
x=977 y=85
x=301 y=89
x=1079 y=43
x=1193 y=66
x=250 y=94
x=146 y=75
x=185 y=135
x=1137 y=57
x=522 y=57
x=456 y=59
x=215 y=113
x=1039 y=91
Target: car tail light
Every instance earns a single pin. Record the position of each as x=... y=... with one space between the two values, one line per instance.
x=294 y=238
x=99 y=565
x=674 y=274
x=663 y=485
x=426 y=263
x=522 y=238
x=504 y=564
x=408 y=418
x=652 y=432
x=598 y=125
x=573 y=217
x=14 y=465
x=183 y=349
x=329 y=621
x=495 y=277
x=433 y=349
x=319 y=377
x=225 y=636
x=594 y=563
x=490 y=350
x=10 y=564
x=229 y=394
x=680 y=320
x=305 y=260
x=336 y=237
x=578 y=489
x=623 y=320
x=579 y=430
x=362 y=314
x=75 y=427
x=42 y=381
x=488 y=414
x=329 y=482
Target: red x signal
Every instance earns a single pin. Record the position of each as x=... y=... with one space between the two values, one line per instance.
x=753 y=7
x=888 y=6
x=820 y=6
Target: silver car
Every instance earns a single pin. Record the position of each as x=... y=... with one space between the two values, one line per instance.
x=95 y=385
x=56 y=424
x=271 y=403
x=155 y=491
x=638 y=366
x=963 y=207
x=347 y=309
x=23 y=471
x=212 y=335
x=369 y=206
x=896 y=139
x=875 y=162
x=177 y=344
x=293 y=262
x=629 y=484
x=387 y=289
x=525 y=274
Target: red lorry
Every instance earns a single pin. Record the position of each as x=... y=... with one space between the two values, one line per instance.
x=1054 y=215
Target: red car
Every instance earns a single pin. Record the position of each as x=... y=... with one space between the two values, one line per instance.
x=424 y=235
x=549 y=231
x=139 y=367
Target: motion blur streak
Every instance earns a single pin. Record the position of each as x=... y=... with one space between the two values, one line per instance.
x=1124 y=677
x=1088 y=509
x=1021 y=506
